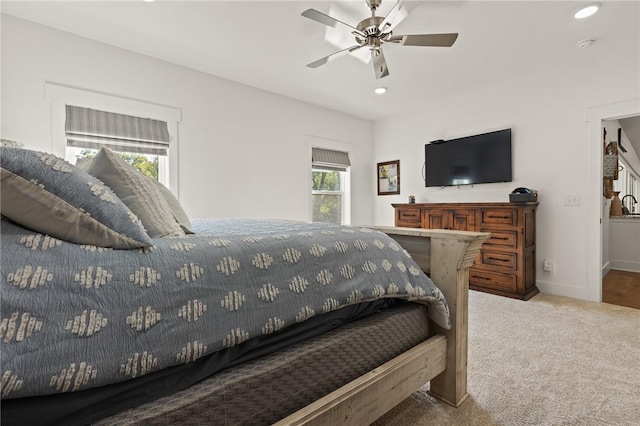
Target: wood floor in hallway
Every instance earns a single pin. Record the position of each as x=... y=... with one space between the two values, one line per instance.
x=621 y=288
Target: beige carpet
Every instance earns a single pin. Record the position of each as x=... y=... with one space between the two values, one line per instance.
x=548 y=361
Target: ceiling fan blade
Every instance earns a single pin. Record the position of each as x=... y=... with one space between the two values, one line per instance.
x=314 y=15
x=437 y=40
x=320 y=62
x=399 y=11
x=379 y=63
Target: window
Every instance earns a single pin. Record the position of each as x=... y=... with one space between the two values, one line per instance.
x=329 y=186
x=633 y=188
x=620 y=184
x=627 y=184
x=142 y=142
x=61 y=96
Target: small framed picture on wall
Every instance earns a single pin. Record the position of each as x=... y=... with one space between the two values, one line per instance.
x=389 y=177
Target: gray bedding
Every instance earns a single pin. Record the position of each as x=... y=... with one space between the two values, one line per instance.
x=75 y=317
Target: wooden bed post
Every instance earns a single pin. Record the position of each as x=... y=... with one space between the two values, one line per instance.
x=453 y=258
x=446 y=256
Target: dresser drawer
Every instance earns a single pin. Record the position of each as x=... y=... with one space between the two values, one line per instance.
x=498 y=217
x=409 y=218
x=506 y=261
x=486 y=279
x=502 y=239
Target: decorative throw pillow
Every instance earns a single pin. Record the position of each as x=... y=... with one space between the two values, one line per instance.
x=137 y=192
x=44 y=193
x=178 y=212
x=83 y=163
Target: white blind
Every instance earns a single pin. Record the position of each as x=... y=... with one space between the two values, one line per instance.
x=93 y=129
x=327 y=159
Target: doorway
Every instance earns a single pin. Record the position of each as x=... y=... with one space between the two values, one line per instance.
x=621 y=234
x=595 y=117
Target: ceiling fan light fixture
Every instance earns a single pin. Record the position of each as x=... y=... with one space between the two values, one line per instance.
x=587 y=11
x=380 y=90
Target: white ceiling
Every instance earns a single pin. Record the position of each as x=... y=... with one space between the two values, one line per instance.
x=266 y=44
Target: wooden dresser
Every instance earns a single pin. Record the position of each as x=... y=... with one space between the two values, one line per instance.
x=506 y=265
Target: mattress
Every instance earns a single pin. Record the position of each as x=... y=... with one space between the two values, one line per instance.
x=272 y=387
x=86 y=406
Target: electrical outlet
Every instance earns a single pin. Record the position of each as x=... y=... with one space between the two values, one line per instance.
x=572 y=200
x=547 y=265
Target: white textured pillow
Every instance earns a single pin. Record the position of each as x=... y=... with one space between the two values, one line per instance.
x=137 y=192
x=178 y=212
x=44 y=193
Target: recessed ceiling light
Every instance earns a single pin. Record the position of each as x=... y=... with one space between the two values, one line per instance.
x=587 y=11
x=380 y=90
x=583 y=44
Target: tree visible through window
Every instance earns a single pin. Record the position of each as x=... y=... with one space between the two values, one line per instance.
x=330 y=185
x=147 y=164
x=327 y=196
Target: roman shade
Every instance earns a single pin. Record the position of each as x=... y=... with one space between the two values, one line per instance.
x=93 y=129
x=327 y=159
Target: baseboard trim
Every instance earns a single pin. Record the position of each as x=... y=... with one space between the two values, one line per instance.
x=622 y=265
x=606 y=268
x=564 y=290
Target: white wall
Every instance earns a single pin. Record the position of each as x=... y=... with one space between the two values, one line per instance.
x=550 y=153
x=243 y=152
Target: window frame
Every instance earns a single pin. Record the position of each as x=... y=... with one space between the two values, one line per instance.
x=311 y=142
x=59 y=96
x=341 y=193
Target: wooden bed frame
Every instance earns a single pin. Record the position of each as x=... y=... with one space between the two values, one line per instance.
x=442 y=359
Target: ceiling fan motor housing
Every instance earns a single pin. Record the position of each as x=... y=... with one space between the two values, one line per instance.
x=369 y=27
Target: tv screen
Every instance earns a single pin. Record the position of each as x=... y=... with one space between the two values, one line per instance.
x=474 y=159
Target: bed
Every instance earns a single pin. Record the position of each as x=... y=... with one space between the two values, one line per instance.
x=103 y=322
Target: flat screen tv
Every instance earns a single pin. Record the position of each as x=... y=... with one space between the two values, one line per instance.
x=483 y=158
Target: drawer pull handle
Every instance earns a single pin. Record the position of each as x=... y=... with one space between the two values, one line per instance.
x=498 y=260
x=500 y=238
x=482 y=278
x=498 y=217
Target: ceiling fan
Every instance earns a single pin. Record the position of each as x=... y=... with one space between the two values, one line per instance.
x=375 y=31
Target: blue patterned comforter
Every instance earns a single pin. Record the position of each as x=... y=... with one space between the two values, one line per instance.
x=75 y=317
